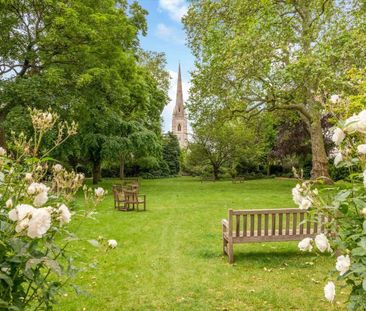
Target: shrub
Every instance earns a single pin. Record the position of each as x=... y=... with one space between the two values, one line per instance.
x=34 y=213
x=344 y=207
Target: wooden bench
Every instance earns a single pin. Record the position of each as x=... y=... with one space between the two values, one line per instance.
x=267 y=225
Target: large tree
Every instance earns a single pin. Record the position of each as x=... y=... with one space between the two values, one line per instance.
x=82 y=58
x=255 y=55
x=217 y=144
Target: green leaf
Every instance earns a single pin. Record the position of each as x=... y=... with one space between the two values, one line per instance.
x=53 y=265
x=359 y=251
x=342 y=195
x=364 y=284
x=6 y=278
x=3 y=304
x=359 y=203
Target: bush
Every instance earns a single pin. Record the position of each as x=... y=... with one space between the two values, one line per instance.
x=34 y=213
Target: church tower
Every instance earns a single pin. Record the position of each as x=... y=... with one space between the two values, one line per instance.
x=179 y=121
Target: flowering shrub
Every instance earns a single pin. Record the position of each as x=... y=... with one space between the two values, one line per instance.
x=344 y=208
x=34 y=213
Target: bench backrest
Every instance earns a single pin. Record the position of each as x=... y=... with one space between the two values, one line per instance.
x=289 y=222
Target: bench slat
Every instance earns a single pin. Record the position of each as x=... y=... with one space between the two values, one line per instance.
x=287 y=223
x=301 y=223
x=273 y=231
x=237 y=225
x=280 y=224
x=266 y=224
x=269 y=211
x=245 y=224
x=252 y=225
x=294 y=224
x=259 y=225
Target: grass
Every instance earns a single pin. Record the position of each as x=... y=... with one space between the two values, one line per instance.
x=170 y=257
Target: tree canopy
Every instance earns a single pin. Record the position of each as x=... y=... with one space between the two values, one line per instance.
x=271 y=55
x=83 y=60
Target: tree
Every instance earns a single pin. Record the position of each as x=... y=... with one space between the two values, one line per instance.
x=171 y=153
x=83 y=57
x=219 y=144
x=256 y=55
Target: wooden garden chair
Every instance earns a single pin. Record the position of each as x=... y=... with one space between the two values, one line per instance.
x=132 y=197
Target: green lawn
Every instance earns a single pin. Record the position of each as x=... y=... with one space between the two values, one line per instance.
x=170 y=257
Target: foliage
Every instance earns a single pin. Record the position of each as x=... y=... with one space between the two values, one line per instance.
x=85 y=54
x=274 y=55
x=171 y=153
x=345 y=209
x=216 y=145
x=34 y=262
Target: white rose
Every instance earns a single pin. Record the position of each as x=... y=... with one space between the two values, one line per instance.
x=305 y=245
x=305 y=203
x=39 y=223
x=296 y=194
x=99 y=192
x=351 y=124
x=321 y=242
x=338 y=136
x=40 y=199
x=362 y=121
x=9 y=203
x=338 y=158
x=2 y=152
x=364 y=178
x=334 y=99
x=343 y=263
x=28 y=176
x=57 y=168
x=361 y=149
x=329 y=291
x=20 y=212
x=64 y=214
x=32 y=189
x=42 y=188
x=112 y=243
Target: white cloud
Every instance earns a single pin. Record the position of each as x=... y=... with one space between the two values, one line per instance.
x=168 y=110
x=175 y=8
x=168 y=34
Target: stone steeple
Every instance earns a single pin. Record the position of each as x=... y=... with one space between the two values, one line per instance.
x=179 y=120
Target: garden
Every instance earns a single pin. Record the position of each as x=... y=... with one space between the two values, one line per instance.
x=253 y=197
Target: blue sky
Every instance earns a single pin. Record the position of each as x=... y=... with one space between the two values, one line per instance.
x=166 y=34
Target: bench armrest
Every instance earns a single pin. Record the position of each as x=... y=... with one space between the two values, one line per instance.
x=225 y=223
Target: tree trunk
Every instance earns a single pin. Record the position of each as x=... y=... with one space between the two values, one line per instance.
x=216 y=170
x=97 y=171
x=122 y=167
x=319 y=156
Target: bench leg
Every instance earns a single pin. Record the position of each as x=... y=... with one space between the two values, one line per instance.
x=230 y=252
x=224 y=245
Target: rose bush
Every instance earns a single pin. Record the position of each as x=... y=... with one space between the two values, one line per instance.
x=34 y=212
x=344 y=208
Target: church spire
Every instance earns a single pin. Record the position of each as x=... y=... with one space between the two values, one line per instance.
x=179 y=120
x=179 y=107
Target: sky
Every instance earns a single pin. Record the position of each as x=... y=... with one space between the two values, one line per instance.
x=166 y=34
